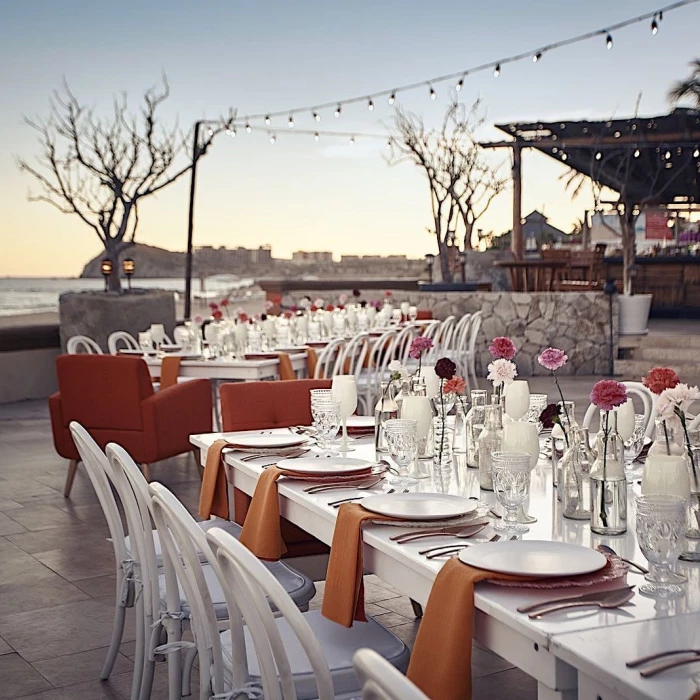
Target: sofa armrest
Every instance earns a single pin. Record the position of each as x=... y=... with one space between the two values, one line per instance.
x=170 y=416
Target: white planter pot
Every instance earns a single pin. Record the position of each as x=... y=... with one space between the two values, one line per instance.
x=634 y=314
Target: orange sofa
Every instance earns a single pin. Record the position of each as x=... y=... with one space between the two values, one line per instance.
x=265 y=405
x=113 y=398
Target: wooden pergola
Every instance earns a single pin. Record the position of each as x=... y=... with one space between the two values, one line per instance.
x=665 y=148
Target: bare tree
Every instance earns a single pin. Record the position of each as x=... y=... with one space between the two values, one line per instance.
x=462 y=182
x=100 y=169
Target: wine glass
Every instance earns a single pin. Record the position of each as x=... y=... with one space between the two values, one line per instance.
x=660 y=531
x=145 y=342
x=633 y=448
x=418 y=408
x=412 y=313
x=344 y=391
x=517 y=399
x=538 y=402
x=511 y=482
x=402 y=438
x=326 y=417
x=625 y=420
x=157 y=331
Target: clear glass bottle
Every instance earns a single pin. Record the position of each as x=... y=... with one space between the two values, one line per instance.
x=474 y=425
x=490 y=441
x=385 y=410
x=575 y=485
x=560 y=438
x=405 y=390
x=608 y=482
x=668 y=439
x=459 y=436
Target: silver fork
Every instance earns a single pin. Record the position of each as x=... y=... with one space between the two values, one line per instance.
x=456 y=549
x=337 y=504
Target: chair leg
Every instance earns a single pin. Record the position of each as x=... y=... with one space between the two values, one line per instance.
x=417 y=609
x=117 y=631
x=72 y=468
x=146 y=469
x=139 y=658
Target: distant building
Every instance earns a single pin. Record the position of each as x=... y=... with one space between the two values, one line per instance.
x=302 y=257
x=536 y=232
x=235 y=257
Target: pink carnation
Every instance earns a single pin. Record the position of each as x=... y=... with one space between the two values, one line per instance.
x=502 y=371
x=456 y=385
x=502 y=348
x=553 y=359
x=419 y=346
x=608 y=394
x=680 y=396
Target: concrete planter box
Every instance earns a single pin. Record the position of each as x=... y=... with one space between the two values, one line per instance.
x=97 y=314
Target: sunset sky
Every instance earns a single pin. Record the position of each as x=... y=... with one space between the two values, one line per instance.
x=274 y=55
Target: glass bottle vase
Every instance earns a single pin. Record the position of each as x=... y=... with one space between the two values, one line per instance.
x=490 y=441
x=608 y=482
x=575 y=485
x=560 y=439
x=459 y=435
x=474 y=422
x=386 y=409
x=442 y=446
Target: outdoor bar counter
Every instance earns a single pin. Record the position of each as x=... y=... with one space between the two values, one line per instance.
x=673 y=280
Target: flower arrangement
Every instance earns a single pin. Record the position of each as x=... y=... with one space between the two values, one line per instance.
x=217 y=315
x=268 y=305
x=397 y=372
x=607 y=394
x=659 y=379
x=501 y=372
x=554 y=359
x=446 y=370
x=502 y=348
x=418 y=347
x=675 y=402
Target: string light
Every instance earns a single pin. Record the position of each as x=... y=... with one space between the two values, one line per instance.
x=392 y=98
x=598 y=155
x=370 y=105
x=537 y=57
x=231 y=132
x=497 y=70
x=273 y=138
x=317 y=117
x=654 y=26
x=668 y=155
x=316 y=136
x=696 y=153
x=267 y=119
x=336 y=114
x=352 y=140
x=290 y=123
x=433 y=94
x=637 y=153
x=609 y=41
x=247 y=127
x=459 y=85
x=210 y=131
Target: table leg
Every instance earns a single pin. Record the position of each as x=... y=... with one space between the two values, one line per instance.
x=545 y=693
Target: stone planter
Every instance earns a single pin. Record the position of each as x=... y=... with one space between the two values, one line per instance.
x=634 y=314
x=97 y=314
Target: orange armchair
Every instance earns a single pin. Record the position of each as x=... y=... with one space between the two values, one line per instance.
x=113 y=398
x=265 y=405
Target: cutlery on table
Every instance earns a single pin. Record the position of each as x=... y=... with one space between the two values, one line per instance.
x=456 y=549
x=336 y=504
x=689 y=656
x=465 y=532
x=606 y=601
x=364 y=483
x=609 y=550
x=572 y=599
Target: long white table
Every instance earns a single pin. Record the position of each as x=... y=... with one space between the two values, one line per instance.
x=529 y=644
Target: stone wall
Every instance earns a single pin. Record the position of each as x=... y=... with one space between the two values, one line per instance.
x=576 y=322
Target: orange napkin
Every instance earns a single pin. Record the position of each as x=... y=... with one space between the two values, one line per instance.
x=169 y=371
x=286 y=370
x=311 y=361
x=213 y=497
x=441 y=659
x=344 y=593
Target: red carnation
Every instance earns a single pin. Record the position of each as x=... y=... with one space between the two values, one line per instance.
x=445 y=368
x=243 y=317
x=213 y=305
x=502 y=348
x=224 y=302
x=608 y=394
x=217 y=315
x=329 y=307
x=313 y=307
x=660 y=378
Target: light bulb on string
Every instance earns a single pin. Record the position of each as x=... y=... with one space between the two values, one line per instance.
x=537 y=57
x=336 y=114
x=609 y=41
x=316 y=136
x=210 y=131
x=637 y=153
x=370 y=106
x=564 y=157
x=598 y=155
x=268 y=120
x=248 y=127
x=317 y=116
x=352 y=140
x=290 y=123
x=273 y=138
x=392 y=98
x=696 y=153
x=667 y=155
x=654 y=26
x=433 y=94
x=497 y=70
x=460 y=84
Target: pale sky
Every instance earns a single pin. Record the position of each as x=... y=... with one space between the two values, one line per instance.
x=274 y=55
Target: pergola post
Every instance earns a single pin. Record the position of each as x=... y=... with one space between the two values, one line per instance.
x=517 y=242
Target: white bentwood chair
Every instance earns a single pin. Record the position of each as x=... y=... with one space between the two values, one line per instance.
x=121 y=338
x=296 y=655
x=648 y=404
x=82 y=344
x=381 y=681
x=328 y=357
x=369 y=381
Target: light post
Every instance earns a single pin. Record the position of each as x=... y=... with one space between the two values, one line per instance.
x=463 y=264
x=106 y=270
x=128 y=268
x=430 y=261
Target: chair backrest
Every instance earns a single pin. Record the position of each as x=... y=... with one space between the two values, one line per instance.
x=380 y=355
x=402 y=344
x=352 y=359
x=121 y=338
x=460 y=337
x=327 y=358
x=431 y=329
x=474 y=328
x=648 y=404
x=96 y=466
x=247 y=582
x=81 y=344
x=382 y=681
x=182 y=541
x=556 y=254
x=442 y=339
x=262 y=405
x=103 y=391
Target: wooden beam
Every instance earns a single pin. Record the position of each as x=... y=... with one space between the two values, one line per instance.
x=688 y=138
x=517 y=242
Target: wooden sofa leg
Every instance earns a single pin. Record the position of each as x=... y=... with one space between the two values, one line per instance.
x=146 y=469
x=417 y=609
x=72 y=468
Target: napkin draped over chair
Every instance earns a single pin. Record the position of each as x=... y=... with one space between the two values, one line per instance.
x=169 y=371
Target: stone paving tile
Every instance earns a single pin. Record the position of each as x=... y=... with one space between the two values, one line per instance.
x=35 y=594
x=8 y=526
x=91 y=690
x=18 y=566
x=18 y=678
x=76 y=564
x=77 y=668
x=5 y=648
x=512 y=684
x=74 y=537
x=42 y=517
x=98 y=587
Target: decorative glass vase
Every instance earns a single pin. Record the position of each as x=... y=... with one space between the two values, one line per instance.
x=386 y=409
x=693 y=524
x=442 y=446
x=560 y=438
x=575 y=484
x=608 y=482
x=459 y=439
x=490 y=441
x=474 y=425
x=668 y=438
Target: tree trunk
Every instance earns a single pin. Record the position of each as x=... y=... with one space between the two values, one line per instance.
x=629 y=247
x=114 y=281
x=445 y=269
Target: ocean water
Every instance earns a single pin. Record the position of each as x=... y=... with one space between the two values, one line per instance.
x=31 y=295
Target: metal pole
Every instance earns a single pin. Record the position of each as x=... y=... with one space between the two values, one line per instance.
x=517 y=242
x=190 y=224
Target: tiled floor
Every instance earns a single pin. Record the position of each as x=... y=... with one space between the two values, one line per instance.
x=57 y=574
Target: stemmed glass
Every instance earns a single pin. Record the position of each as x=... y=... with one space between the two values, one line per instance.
x=412 y=313
x=344 y=391
x=402 y=438
x=326 y=416
x=146 y=342
x=517 y=399
x=661 y=536
x=157 y=331
x=633 y=448
x=511 y=482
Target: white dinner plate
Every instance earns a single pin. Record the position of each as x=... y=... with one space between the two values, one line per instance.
x=534 y=558
x=361 y=422
x=324 y=465
x=267 y=441
x=419 y=506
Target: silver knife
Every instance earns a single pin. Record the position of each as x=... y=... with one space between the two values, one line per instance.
x=605 y=601
x=597 y=595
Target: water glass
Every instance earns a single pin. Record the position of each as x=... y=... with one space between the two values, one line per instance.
x=511 y=481
x=538 y=402
x=412 y=313
x=660 y=532
x=326 y=417
x=157 y=334
x=145 y=342
x=633 y=448
x=402 y=438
